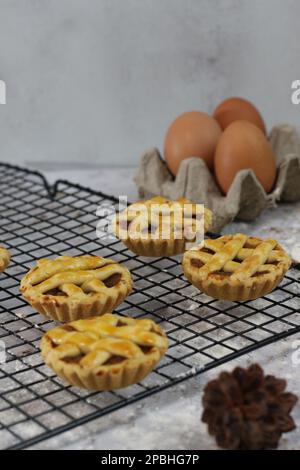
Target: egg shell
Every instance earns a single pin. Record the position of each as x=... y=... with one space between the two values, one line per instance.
x=192 y=134
x=244 y=146
x=236 y=109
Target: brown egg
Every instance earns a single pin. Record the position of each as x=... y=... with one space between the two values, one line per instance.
x=244 y=146
x=236 y=109
x=192 y=134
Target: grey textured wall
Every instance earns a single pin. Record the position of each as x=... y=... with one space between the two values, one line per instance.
x=98 y=81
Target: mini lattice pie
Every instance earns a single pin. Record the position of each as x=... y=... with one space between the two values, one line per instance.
x=4 y=258
x=236 y=267
x=104 y=353
x=67 y=288
x=160 y=227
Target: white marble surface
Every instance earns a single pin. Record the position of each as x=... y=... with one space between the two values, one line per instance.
x=171 y=419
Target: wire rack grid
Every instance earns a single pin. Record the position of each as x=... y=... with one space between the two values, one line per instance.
x=38 y=220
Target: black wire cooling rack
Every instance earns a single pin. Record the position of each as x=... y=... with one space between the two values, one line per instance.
x=38 y=220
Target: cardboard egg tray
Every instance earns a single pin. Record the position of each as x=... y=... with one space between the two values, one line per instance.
x=246 y=198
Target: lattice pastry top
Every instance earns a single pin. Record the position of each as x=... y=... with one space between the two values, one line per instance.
x=4 y=258
x=159 y=226
x=94 y=349
x=237 y=265
x=84 y=285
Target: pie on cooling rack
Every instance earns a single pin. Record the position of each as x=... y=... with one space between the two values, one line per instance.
x=4 y=258
x=161 y=227
x=236 y=267
x=104 y=353
x=69 y=288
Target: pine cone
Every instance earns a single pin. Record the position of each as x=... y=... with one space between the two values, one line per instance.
x=245 y=409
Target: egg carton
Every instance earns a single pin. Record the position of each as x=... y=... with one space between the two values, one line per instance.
x=246 y=198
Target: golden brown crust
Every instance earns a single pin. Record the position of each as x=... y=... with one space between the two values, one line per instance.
x=69 y=288
x=4 y=258
x=104 y=353
x=160 y=227
x=236 y=267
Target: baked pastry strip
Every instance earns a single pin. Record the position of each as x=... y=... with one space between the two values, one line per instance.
x=104 y=353
x=161 y=227
x=236 y=267
x=4 y=258
x=69 y=288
